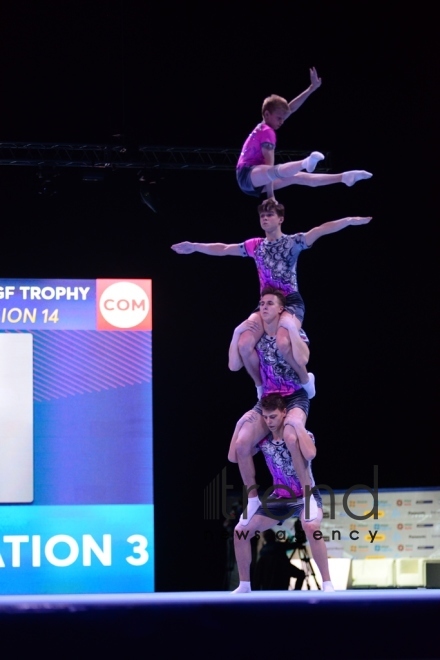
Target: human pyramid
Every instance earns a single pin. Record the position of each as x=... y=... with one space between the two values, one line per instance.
x=271 y=344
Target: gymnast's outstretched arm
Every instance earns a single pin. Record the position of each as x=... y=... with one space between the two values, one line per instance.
x=315 y=83
x=213 y=249
x=332 y=227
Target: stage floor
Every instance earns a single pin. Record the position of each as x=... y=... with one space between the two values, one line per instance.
x=352 y=597
x=364 y=623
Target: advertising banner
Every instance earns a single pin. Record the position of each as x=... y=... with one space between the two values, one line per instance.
x=76 y=473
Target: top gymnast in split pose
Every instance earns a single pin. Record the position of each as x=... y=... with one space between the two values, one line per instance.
x=256 y=170
x=276 y=257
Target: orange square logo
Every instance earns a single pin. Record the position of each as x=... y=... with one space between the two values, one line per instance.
x=123 y=305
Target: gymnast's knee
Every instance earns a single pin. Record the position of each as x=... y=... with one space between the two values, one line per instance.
x=283 y=344
x=246 y=344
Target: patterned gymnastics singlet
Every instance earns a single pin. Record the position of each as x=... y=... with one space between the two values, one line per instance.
x=277 y=375
x=279 y=462
x=276 y=260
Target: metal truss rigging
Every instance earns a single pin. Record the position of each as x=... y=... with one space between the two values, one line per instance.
x=115 y=157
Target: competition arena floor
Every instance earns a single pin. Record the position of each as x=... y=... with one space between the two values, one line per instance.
x=373 y=623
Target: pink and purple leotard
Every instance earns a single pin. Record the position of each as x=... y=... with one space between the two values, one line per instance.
x=279 y=461
x=251 y=153
x=276 y=265
x=277 y=375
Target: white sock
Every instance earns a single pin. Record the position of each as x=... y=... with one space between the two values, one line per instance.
x=350 y=178
x=309 y=387
x=259 y=391
x=243 y=588
x=327 y=586
x=252 y=506
x=310 y=162
x=313 y=508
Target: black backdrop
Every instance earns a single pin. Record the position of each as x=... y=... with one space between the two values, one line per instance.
x=196 y=76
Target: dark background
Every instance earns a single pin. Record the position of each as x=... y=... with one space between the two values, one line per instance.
x=196 y=75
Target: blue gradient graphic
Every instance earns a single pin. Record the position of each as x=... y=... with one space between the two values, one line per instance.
x=95 y=448
x=92 y=437
x=120 y=522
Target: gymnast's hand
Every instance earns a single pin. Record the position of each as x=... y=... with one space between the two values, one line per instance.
x=287 y=321
x=315 y=81
x=184 y=248
x=247 y=325
x=359 y=221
